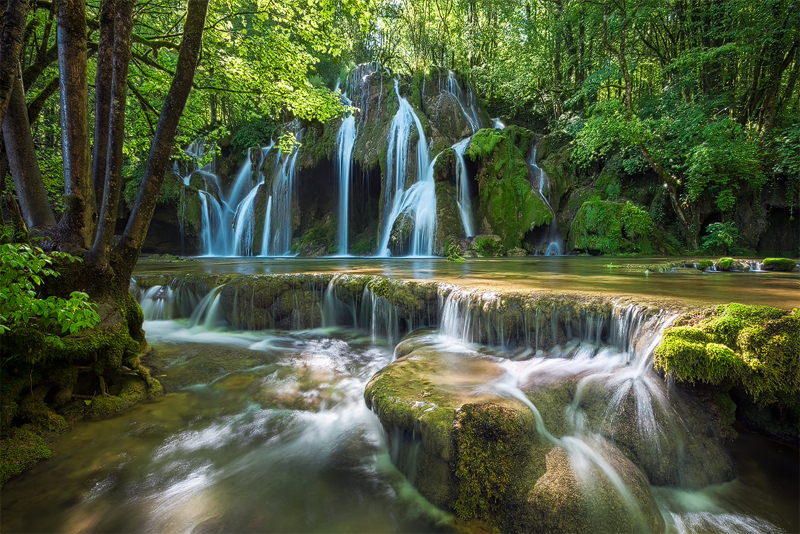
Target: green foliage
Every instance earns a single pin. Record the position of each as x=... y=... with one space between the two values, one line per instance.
x=453 y=252
x=22 y=269
x=778 y=264
x=255 y=132
x=612 y=228
x=789 y=163
x=721 y=238
x=734 y=344
x=487 y=246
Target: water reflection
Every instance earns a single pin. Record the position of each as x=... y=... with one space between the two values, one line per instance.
x=539 y=273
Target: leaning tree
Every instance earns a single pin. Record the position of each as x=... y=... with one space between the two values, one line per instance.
x=99 y=366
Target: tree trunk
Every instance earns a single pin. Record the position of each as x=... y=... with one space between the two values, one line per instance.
x=116 y=134
x=76 y=225
x=36 y=105
x=22 y=162
x=133 y=238
x=102 y=97
x=11 y=35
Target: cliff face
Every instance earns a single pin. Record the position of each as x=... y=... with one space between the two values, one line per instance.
x=354 y=186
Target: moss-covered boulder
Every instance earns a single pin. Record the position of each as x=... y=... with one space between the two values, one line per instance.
x=507 y=204
x=480 y=455
x=730 y=346
x=487 y=246
x=605 y=227
x=778 y=264
x=20 y=449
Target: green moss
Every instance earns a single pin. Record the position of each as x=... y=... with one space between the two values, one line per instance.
x=132 y=391
x=320 y=238
x=507 y=201
x=20 y=449
x=724 y=264
x=606 y=227
x=367 y=241
x=778 y=264
x=487 y=246
x=488 y=438
x=736 y=345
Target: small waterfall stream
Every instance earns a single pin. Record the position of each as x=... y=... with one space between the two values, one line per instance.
x=542 y=183
x=419 y=201
x=462 y=187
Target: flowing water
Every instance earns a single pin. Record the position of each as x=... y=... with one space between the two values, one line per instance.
x=399 y=200
x=267 y=431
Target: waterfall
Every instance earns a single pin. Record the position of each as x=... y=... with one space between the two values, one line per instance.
x=497 y=123
x=542 y=182
x=345 y=140
x=465 y=102
x=462 y=187
x=228 y=220
x=278 y=216
x=156 y=303
x=395 y=196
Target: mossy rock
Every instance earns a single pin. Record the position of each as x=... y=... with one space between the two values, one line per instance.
x=778 y=264
x=487 y=246
x=604 y=227
x=506 y=200
x=132 y=391
x=724 y=264
x=735 y=345
x=273 y=301
x=478 y=454
x=20 y=449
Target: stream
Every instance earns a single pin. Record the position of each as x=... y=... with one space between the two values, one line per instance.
x=268 y=431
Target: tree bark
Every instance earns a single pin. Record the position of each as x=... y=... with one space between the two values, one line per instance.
x=133 y=238
x=11 y=36
x=101 y=249
x=102 y=97
x=22 y=162
x=36 y=105
x=76 y=225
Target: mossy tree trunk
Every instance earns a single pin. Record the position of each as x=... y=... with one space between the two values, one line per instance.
x=11 y=36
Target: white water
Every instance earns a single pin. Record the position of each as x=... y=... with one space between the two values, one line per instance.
x=465 y=101
x=543 y=182
x=345 y=140
x=462 y=188
x=277 y=237
x=397 y=200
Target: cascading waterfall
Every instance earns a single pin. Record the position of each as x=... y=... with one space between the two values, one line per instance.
x=469 y=109
x=462 y=187
x=542 y=182
x=277 y=237
x=345 y=140
x=421 y=202
x=497 y=123
x=465 y=101
x=356 y=95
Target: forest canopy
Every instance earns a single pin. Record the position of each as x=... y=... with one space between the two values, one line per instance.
x=703 y=94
